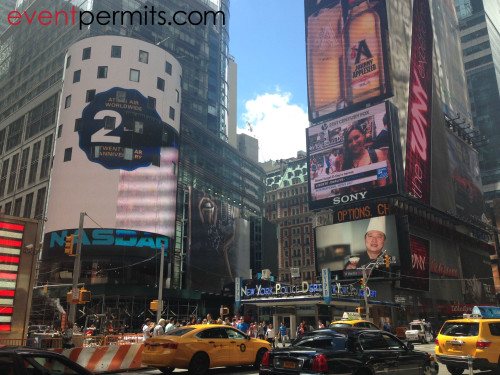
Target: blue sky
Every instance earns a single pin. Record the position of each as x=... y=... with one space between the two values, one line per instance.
x=267 y=40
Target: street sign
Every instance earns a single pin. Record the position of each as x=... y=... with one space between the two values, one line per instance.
x=326 y=280
x=237 y=291
x=75 y=296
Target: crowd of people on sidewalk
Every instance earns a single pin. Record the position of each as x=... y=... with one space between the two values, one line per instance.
x=262 y=330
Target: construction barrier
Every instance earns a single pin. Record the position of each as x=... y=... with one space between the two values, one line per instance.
x=106 y=358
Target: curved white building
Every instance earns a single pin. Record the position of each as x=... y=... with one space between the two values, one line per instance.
x=116 y=151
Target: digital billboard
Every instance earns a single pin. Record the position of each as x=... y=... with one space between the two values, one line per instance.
x=350 y=159
x=418 y=141
x=346 y=248
x=478 y=287
x=466 y=178
x=415 y=271
x=219 y=243
x=347 y=55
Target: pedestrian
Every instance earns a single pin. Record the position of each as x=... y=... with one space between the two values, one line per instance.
x=146 y=332
x=242 y=326
x=252 y=330
x=159 y=328
x=270 y=335
x=320 y=324
x=260 y=332
x=209 y=319
x=170 y=326
x=386 y=326
x=283 y=333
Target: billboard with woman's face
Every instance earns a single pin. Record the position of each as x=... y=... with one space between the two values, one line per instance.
x=351 y=158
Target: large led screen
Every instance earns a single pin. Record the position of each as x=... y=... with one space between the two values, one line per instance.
x=351 y=158
x=477 y=275
x=466 y=178
x=415 y=271
x=350 y=246
x=347 y=55
x=219 y=244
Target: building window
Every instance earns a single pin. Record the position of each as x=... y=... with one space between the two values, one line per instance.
x=34 y=162
x=86 y=53
x=168 y=68
x=17 y=206
x=160 y=84
x=67 y=154
x=23 y=169
x=138 y=127
x=134 y=75
x=40 y=203
x=109 y=122
x=116 y=51
x=102 y=72
x=68 y=61
x=143 y=57
x=89 y=97
x=121 y=96
x=171 y=113
x=78 y=124
x=13 y=174
x=3 y=176
x=28 y=204
x=8 y=207
x=46 y=156
x=76 y=76
x=67 y=102
x=59 y=131
x=151 y=102
x=177 y=96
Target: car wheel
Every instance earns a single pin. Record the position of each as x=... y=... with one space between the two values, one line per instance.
x=167 y=370
x=427 y=369
x=258 y=358
x=455 y=370
x=199 y=364
x=424 y=341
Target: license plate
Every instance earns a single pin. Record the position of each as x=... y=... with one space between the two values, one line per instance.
x=289 y=364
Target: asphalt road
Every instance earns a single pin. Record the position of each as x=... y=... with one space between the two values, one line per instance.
x=250 y=371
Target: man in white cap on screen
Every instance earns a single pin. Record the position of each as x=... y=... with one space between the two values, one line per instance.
x=374 y=241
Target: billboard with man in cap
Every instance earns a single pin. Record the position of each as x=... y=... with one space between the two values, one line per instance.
x=350 y=246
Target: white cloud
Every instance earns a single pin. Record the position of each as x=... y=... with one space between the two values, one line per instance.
x=278 y=125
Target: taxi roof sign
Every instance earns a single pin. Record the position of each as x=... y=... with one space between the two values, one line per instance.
x=351 y=316
x=487 y=311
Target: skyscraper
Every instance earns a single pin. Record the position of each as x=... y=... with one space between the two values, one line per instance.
x=31 y=77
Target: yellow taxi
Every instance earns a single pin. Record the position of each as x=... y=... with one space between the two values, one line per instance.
x=352 y=319
x=202 y=346
x=471 y=341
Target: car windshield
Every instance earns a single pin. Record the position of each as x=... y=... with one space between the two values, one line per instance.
x=179 y=331
x=321 y=342
x=415 y=327
x=460 y=329
x=340 y=325
x=37 y=364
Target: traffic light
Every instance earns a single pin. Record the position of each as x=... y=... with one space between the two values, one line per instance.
x=69 y=296
x=387 y=261
x=153 y=306
x=224 y=311
x=45 y=288
x=85 y=296
x=362 y=283
x=68 y=245
x=361 y=310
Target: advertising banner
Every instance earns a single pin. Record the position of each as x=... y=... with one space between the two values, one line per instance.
x=478 y=287
x=418 y=142
x=415 y=274
x=347 y=56
x=350 y=159
x=348 y=247
x=466 y=178
x=218 y=237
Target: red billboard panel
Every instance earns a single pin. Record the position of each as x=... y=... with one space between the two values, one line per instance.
x=418 y=142
x=350 y=158
x=347 y=55
x=415 y=274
